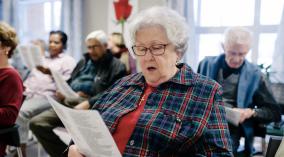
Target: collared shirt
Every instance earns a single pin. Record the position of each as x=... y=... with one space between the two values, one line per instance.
x=39 y=84
x=182 y=117
x=128 y=122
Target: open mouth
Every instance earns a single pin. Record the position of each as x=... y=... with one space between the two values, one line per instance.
x=151 y=68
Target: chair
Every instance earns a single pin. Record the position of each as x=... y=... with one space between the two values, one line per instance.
x=273 y=145
x=10 y=136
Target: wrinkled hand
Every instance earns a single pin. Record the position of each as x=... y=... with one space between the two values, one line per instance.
x=74 y=152
x=60 y=97
x=246 y=113
x=43 y=69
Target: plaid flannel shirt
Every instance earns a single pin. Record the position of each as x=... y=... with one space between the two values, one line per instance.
x=182 y=117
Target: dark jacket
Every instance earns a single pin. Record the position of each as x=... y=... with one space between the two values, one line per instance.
x=108 y=70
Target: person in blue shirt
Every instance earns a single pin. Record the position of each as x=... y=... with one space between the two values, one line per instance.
x=244 y=86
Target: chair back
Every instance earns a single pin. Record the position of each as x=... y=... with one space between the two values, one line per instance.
x=10 y=135
x=273 y=145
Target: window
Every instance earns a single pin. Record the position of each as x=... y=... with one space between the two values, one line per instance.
x=226 y=12
x=38 y=18
x=260 y=16
x=270 y=12
x=212 y=42
x=265 y=48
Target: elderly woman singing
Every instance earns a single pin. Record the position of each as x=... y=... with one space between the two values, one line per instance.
x=167 y=109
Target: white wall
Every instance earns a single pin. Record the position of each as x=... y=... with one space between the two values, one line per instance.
x=99 y=14
x=144 y=4
x=95 y=15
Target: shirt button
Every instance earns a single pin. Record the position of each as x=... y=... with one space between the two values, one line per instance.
x=132 y=142
x=178 y=119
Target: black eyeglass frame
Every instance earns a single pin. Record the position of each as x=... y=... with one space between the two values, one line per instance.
x=164 y=49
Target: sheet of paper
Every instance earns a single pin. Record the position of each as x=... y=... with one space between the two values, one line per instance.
x=31 y=55
x=88 y=131
x=232 y=116
x=62 y=85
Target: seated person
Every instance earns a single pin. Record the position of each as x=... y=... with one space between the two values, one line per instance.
x=11 y=91
x=244 y=86
x=93 y=74
x=167 y=110
x=40 y=83
x=18 y=63
x=119 y=50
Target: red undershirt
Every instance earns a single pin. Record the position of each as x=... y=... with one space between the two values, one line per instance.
x=128 y=122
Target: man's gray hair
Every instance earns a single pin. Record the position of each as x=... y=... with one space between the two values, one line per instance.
x=173 y=23
x=238 y=35
x=98 y=35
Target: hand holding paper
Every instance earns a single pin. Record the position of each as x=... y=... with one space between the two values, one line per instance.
x=62 y=86
x=88 y=131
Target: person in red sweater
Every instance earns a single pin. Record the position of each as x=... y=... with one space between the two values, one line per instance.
x=11 y=85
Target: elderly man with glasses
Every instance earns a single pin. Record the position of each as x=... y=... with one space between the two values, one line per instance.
x=245 y=88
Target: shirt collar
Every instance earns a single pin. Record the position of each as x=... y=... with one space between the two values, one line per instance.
x=184 y=76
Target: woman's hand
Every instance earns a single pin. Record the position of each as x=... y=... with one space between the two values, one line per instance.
x=74 y=152
x=43 y=69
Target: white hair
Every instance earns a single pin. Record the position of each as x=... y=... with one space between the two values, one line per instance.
x=237 y=35
x=98 y=35
x=173 y=23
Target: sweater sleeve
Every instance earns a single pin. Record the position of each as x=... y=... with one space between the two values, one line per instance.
x=267 y=108
x=11 y=97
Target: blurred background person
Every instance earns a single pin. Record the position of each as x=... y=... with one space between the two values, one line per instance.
x=119 y=50
x=245 y=87
x=17 y=61
x=11 y=85
x=40 y=82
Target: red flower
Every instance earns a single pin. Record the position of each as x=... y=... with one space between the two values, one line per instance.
x=122 y=10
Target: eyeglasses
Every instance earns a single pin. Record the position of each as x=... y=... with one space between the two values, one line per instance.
x=156 y=50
